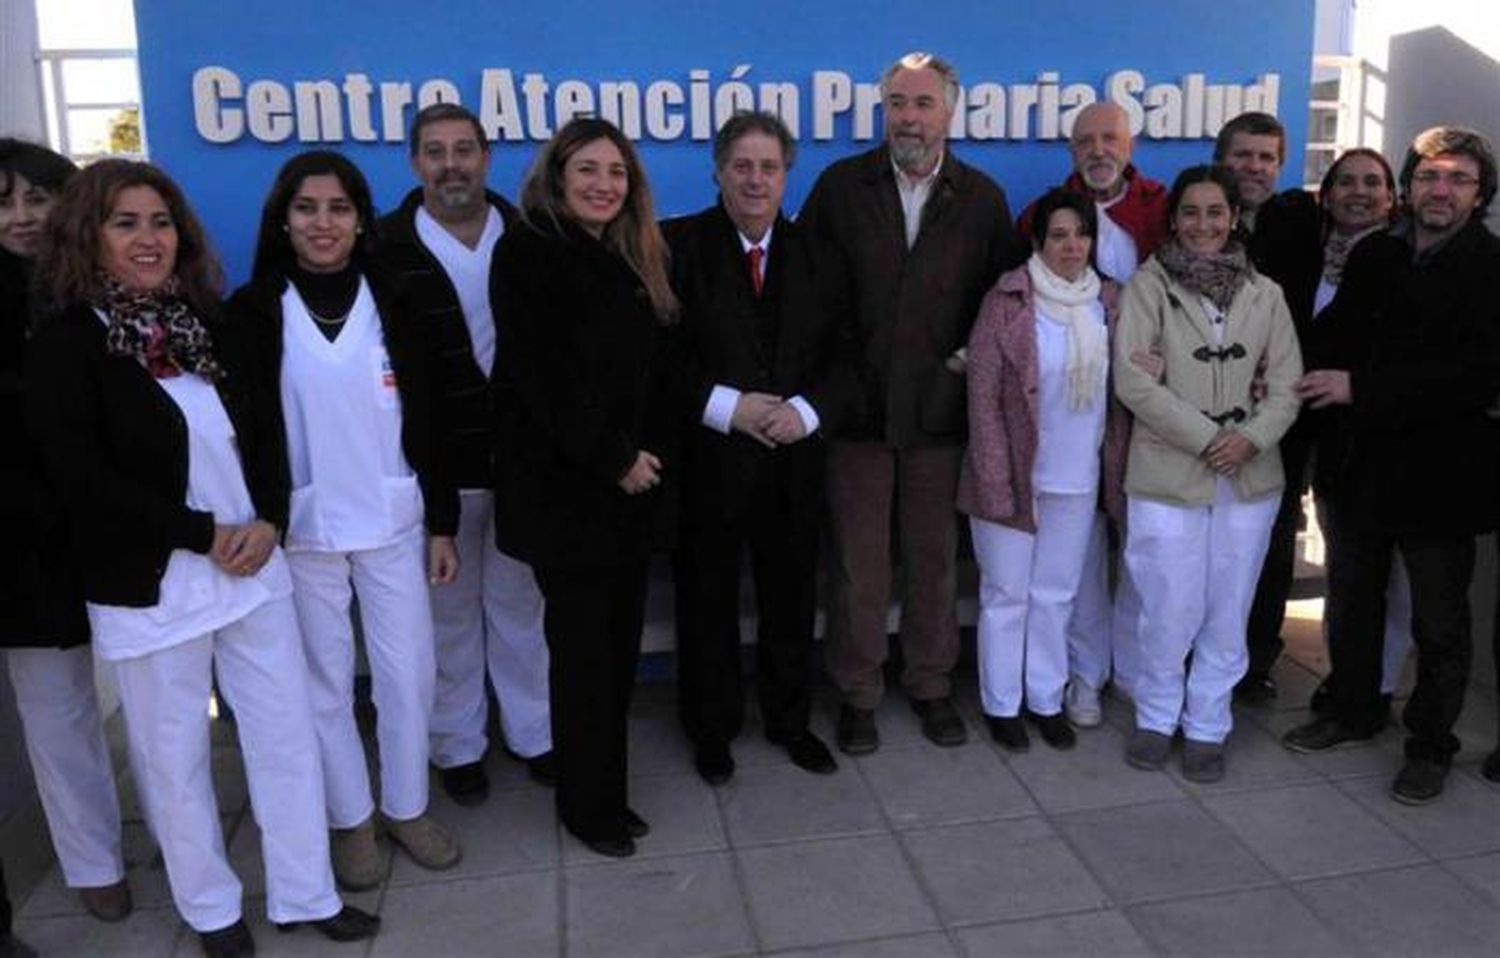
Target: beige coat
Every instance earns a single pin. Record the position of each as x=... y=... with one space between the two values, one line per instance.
x=1174 y=415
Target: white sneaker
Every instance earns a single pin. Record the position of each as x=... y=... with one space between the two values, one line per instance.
x=1081 y=703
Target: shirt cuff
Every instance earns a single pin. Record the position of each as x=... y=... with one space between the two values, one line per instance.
x=809 y=415
x=718 y=415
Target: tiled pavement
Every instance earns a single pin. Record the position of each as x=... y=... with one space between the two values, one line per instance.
x=917 y=851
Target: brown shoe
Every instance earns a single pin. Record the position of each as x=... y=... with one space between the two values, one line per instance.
x=357 y=862
x=427 y=842
x=107 y=902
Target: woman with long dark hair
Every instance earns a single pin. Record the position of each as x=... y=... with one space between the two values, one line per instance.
x=584 y=432
x=170 y=486
x=371 y=510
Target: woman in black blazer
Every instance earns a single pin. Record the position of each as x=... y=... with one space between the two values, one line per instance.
x=42 y=618
x=149 y=434
x=584 y=431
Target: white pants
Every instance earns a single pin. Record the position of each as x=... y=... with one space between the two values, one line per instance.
x=489 y=619
x=1026 y=589
x=1102 y=634
x=396 y=618
x=1196 y=570
x=64 y=732
x=1398 y=641
x=263 y=677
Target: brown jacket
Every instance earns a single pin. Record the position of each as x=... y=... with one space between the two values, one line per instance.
x=911 y=307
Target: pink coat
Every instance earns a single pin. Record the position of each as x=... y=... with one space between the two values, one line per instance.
x=995 y=482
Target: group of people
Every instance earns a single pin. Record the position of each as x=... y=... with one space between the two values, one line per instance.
x=484 y=419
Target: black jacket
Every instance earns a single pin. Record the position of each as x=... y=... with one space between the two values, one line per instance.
x=1287 y=246
x=582 y=383
x=116 y=448
x=462 y=390
x=1415 y=451
x=782 y=343
x=41 y=595
x=255 y=320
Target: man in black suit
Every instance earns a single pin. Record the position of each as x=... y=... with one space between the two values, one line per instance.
x=758 y=336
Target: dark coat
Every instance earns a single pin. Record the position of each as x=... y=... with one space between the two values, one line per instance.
x=582 y=383
x=41 y=595
x=782 y=343
x=255 y=321
x=1415 y=451
x=911 y=308
x=462 y=388
x=116 y=449
x=1287 y=246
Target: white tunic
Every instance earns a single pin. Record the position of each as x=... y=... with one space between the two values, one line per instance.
x=1068 y=440
x=352 y=488
x=197 y=597
x=469 y=271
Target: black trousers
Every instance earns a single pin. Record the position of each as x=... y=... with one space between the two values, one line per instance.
x=782 y=538
x=1441 y=568
x=593 y=623
x=1268 y=609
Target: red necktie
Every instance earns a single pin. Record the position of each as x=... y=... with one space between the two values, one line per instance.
x=754 y=254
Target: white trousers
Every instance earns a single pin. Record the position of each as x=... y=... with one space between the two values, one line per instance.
x=1398 y=641
x=396 y=619
x=488 y=620
x=59 y=707
x=1026 y=588
x=1196 y=570
x=263 y=677
x=1102 y=634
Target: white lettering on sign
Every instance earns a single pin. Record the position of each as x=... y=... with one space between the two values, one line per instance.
x=228 y=107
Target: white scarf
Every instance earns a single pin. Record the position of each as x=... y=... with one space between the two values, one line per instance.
x=1075 y=306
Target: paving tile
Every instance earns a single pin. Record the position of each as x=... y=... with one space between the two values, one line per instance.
x=498 y=915
x=1093 y=775
x=784 y=803
x=1064 y=936
x=1382 y=754
x=1254 y=760
x=664 y=907
x=1267 y=921
x=916 y=946
x=933 y=786
x=682 y=812
x=144 y=870
x=147 y=933
x=1464 y=821
x=657 y=744
x=271 y=943
x=512 y=830
x=998 y=870
x=1310 y=831
x=1155 y=851
x=815 y=893
x=1482 y=873
x=1410 y=911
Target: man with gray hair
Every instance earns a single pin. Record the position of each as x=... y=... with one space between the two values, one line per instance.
x=921 y=237
x=1405 y=364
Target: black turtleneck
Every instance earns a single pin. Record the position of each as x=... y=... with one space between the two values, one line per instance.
x=329 y=296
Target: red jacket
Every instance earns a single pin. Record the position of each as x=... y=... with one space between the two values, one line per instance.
x=1142 y=212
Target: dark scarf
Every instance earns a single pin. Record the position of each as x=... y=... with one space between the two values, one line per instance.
x=1217 y=276
x=1336 y=251
x=158 y=328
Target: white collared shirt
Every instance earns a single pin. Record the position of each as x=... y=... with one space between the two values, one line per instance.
x=914 y=195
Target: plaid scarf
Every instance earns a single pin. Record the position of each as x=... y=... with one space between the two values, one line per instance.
x=158 y=328
x=1218 y=276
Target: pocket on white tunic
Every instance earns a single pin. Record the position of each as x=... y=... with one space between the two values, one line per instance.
x=403 y=502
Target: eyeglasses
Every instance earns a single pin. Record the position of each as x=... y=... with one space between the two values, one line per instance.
x=1457 y=180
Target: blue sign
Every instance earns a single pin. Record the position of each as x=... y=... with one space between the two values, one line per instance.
x=231 y=90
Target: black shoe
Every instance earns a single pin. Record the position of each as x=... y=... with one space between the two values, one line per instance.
x=1322 y=734
x=857 y=734
x=714 y=762
x=1321 y=703
x=807 y=752
x=1009 y=732
x=231 y=942
x=1491 y=767
x=635 y=826
x=466 y=784
x=940 y=721
x=1055 y=730
x=613 y=846
x=1420 y=781
x=350 y=924
x=1255 y=690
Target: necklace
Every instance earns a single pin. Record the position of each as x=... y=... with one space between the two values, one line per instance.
x=328 y=320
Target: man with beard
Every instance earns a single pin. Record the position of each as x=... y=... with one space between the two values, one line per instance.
x=1406 y=363
x=921 y=236
x=1283 y=232
x=441 y=241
